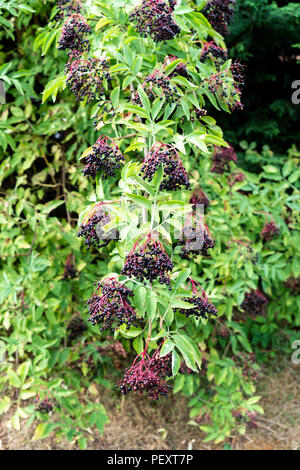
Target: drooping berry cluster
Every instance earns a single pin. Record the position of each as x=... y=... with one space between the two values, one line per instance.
x=269 y=231
x=211 y=49
x=44 y=403
x=73 y=36
x=105 y=157
x=196 y=238
x=199 y=198
x=148 y=260
x=70 y=271
x=222 y=85
x=254 y=303
x=238 y=74
x=86 y=77
x=293 y=283
x=147 y=375
x=202 y=305
x=92 y=228
x=174 y=174
x=222 y=158
x=200 y=112
x=75 y=328
x=157 y=85
x=220 y=14
x=110 y=307
x=67 y=8
x=154 y=18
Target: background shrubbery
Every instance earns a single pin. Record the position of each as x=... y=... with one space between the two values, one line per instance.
x=43 y=194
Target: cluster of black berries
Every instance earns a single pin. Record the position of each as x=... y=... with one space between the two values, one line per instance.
x=85 y=78
x=154 y=18
x=70 y=271
x=269 y=231
x=293 y=283
x=174 y=176
x=105 y=157
x=222 y=85
x=45 y=405
x=110 y=307
x=199 y=198
x=148 y=260
x=67 y=8
x=92 y=230
x=147 y=375
x=163 y=84
x=202 y=305
x=254 y=303
x=74 y=33
x=211 y=49
x=220 y=14
x=195 y=238
x=221 y=160
x=248 y=417
x=172 y=4
x=237 y=70
x=75 y=328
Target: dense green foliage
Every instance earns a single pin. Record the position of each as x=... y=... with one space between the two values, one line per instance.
x=44 y=196
x=265 y=37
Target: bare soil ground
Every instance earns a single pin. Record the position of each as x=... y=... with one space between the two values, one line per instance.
x=136 y=423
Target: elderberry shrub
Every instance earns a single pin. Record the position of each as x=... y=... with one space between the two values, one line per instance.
x=92 y=231
x=105 y=157
x=67 y=8
x=75 y=328
x=110 y=307
x=148 y=260
x=254 y=303
x=154 y=18
x=294 y=285
x=221 y=160
x=174 y=174
x=220 y=14
x=70 y=271
x=269 y=231
x=158 y=81
x=147 y=375
x=74 y=33
x=195 y=237
x=86 y=77
x=211 y=49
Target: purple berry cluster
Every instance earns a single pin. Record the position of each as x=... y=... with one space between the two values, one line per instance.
x=67 y=8
x=221 y=160
x=91 y=228
x=147 y=375
x=86 y=77
x=75 y=328
x=196 y=238
x=73 y=36
x=148 y=260
x=45 y=404
x=197 y=198
x=247 y=362
x=154 y=18
x=180 y=69
x=255 y=302
x=105 y=157
x=110 y=307
x=269 y=231
x=157 y=85
x=220 y=14
x=70 y=271
x=202 y=305
x=174 y=175
x=222 y=85
x=293 y=283
x=212 y=50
